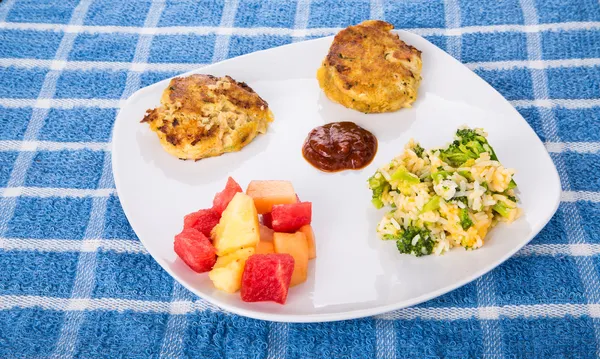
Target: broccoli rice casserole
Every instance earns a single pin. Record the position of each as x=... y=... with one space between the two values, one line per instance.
x=444 y=197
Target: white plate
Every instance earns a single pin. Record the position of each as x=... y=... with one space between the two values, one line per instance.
x=355 y=274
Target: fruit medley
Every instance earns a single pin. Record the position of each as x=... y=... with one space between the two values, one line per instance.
x=258 y=242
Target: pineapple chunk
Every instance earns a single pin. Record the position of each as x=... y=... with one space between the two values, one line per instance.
x=229 y=278
x=243 y=254
x=238 y=227
x=226 y=275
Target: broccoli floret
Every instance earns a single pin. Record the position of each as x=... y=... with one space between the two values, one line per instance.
x=453 y=156
x=377 y=181
x=465 y=220
x=378 y=185
x=440 y=175
x=377 y=203
x=471 y=139
x=432 y=204
x=501 y=209
x=404 y=177
x=423 y=245
x=466 y=174
x=462 y=199
x=512 y=198
x=418 y=150
x=467 y=134
x=468 y=144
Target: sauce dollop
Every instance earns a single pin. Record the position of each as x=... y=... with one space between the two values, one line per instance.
x=339 y=146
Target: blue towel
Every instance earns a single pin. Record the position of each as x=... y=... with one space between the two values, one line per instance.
x=75 y=282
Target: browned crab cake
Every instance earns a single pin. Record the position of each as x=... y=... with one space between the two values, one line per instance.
x=369 y=69
x=204 y=116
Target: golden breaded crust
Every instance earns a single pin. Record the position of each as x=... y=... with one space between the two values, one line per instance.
x=369 y=69
x=204 y=116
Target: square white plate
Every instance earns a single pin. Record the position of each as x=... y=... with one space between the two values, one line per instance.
x=355 y=274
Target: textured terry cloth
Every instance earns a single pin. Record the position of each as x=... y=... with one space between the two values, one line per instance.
x=75 y=282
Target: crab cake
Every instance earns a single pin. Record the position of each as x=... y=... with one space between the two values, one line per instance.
x=204 y=116
x=369 y=69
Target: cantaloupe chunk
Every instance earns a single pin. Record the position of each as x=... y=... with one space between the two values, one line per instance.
x=310 y=240
x=238 y=226
x=296 y=245
x=267 y=193
x=226 y=275
x=266 y=233
x=265 y=247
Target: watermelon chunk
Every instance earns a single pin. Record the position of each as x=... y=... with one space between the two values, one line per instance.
x=267 y=278
x=204 y=220
x=289 y=218
x=195 y=250
x=223 y=198
x=267 y=220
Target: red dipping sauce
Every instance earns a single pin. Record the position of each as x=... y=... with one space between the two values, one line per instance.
x=339 y=146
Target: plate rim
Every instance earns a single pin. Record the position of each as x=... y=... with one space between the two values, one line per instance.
x=349 y=314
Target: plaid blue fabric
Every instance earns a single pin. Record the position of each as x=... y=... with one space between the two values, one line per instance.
x=76 y=282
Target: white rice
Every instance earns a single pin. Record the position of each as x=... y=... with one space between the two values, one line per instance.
x=444 y=222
